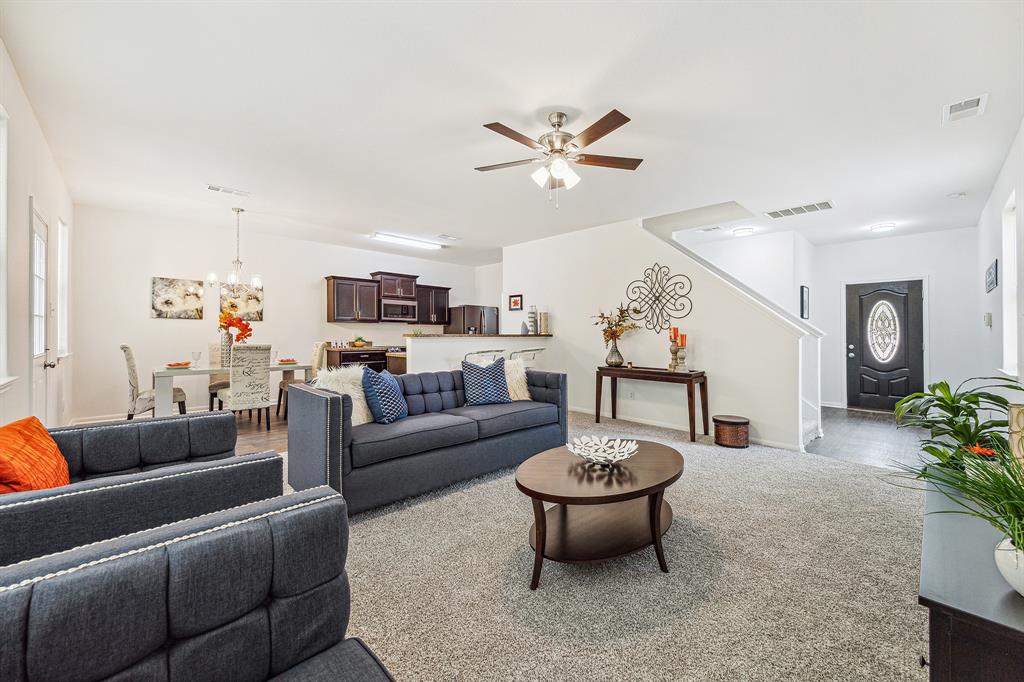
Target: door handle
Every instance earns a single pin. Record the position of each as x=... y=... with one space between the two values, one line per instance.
x=49 y=365
x=850 y=346
x=849 y=355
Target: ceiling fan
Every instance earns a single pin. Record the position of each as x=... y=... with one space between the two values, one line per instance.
x=560 y=148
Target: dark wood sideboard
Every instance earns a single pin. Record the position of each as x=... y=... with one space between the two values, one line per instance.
x=374 y=358
x=976 y=620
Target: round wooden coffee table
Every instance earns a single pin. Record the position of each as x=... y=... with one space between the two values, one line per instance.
x=599 y=513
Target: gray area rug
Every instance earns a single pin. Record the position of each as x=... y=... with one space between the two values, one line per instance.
x=784 y=566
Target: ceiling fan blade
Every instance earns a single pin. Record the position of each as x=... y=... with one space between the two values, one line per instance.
x=609 y=122
x=620 y=162
x=502 y=129
x=508 y=164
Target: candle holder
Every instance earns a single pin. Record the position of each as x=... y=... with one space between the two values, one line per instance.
x=678 y=352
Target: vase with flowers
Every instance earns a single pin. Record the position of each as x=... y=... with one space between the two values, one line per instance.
x=614 y=326
x=242 y=331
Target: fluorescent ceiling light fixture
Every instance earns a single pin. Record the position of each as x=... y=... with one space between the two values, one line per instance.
x=743 y=232
x=883 y=227
x=405 y=241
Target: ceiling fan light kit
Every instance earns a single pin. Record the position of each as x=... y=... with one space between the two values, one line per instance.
x=560 y=149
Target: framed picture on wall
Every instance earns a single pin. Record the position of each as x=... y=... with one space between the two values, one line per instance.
x=515 y=302
x=805 y=303
x=992 y=276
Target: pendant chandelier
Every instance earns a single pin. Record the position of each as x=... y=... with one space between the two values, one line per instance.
x=234 y=285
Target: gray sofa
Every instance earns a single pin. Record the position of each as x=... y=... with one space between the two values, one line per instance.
x=252 y=593
x=442 y=441
x=132 y=475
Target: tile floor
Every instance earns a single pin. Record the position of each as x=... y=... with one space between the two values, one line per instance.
x=866 y=437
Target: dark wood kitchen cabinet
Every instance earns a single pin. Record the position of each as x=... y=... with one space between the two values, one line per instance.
x=396 y=285
x=352 y=299
x=432 y=304
x=472 y=319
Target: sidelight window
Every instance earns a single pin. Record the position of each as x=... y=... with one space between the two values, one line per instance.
x=1008 y=282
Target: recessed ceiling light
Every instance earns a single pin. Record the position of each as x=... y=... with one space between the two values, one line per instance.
x=957 y=195
x=883 y=227
x=405 y=241
x=448 y=237
x=743 y=232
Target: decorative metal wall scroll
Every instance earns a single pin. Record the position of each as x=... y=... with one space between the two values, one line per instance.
x=659 y=298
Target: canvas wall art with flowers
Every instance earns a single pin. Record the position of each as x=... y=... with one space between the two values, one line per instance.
x=176 y=299
x=248 y=306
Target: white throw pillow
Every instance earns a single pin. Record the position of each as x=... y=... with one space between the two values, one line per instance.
x=515 y=377
x=347 y=379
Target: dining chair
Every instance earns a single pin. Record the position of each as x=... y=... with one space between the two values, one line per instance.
x=144 y=401
x=248 y=382
x=318 y=361
x=219 y=380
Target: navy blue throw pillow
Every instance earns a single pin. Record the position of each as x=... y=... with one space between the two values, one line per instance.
x=485 y=385
x=384 y=396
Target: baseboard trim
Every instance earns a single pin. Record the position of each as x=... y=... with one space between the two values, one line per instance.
x=841 y=406
x=675 y=427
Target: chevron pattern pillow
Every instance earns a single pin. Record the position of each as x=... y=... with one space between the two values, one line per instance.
x=485 y=385
x=384 y=396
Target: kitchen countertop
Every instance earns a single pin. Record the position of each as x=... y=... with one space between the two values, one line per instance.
x=357 y=350
x=395 y=355
x=484 y=336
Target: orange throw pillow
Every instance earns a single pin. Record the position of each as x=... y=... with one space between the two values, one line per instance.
x=29 y=458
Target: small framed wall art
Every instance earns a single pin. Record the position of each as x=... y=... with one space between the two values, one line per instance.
x=805 y=303
x=515 y=302
x=992 y=276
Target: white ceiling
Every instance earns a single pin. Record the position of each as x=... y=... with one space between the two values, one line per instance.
x=343 y=119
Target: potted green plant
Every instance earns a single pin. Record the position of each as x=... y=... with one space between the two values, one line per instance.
x=359 y=342
x=987 y=483
x=971 y=414
x=614 y=327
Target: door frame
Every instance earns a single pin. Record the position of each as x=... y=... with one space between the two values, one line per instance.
x=925 y=328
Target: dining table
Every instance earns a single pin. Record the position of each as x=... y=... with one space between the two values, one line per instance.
x=163 y=380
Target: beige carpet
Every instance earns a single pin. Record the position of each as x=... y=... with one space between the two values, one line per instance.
x=783 y=566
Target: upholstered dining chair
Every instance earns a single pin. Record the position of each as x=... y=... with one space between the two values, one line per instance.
x=144 y=401
x=248 y=382
x=219 y=380
x=318 y=361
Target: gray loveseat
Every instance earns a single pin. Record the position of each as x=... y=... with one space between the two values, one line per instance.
x=132 y=475
x=442 y=441
x=252 y=593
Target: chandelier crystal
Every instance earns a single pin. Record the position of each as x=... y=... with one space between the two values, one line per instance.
x=233 y=285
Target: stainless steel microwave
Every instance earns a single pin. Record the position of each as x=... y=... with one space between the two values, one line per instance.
x=397 y=311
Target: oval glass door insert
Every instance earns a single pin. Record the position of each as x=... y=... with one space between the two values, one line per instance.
x=883 y=331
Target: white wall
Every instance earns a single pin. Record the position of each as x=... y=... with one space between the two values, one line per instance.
x=488 y=286
x=766 y=263
x=989 y=247
x=751 y=354
x=117 y=252
x=32 y=171
x=946 y=260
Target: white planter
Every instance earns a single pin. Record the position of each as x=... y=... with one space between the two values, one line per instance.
x=1010 y=562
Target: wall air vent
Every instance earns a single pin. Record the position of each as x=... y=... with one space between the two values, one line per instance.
x=229 y=190
x=966 y=108
x=800 y=210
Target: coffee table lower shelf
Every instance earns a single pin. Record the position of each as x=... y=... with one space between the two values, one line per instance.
x=594 y=532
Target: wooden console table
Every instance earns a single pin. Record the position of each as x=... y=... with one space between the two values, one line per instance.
x=691 y=379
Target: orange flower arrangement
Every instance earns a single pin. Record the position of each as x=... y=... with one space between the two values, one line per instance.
x=979 y=450
x=616 y=324
x=227 y=322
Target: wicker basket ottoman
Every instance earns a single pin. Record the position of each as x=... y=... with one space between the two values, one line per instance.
x=731 y=431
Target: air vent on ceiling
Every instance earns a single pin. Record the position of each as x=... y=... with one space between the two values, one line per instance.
x=448 y=237
x=800 y=210
x=966 y=108
x=229 y=190
x=714 y=228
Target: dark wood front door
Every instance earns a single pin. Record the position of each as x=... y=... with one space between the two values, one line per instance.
x=884 y=343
